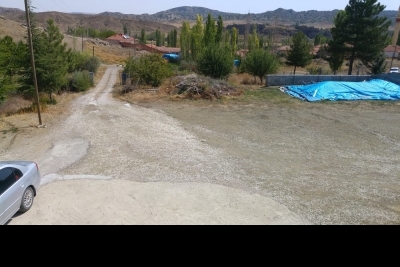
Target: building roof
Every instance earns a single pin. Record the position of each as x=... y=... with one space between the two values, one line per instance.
x=392 y=49
x=165 y=49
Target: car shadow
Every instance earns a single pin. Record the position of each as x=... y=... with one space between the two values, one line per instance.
x=16 y=215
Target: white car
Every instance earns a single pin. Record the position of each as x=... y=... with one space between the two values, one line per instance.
x=394 y=70
x=19 y=183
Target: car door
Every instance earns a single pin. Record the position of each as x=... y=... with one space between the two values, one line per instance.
x=11 y=191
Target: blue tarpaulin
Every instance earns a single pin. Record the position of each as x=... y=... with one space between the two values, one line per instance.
x=333 y=91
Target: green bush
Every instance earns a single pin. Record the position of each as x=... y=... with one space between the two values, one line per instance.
x=92 y=64
x=150 y=69
x=81 y=81
x=216 y=61
x=83 y=61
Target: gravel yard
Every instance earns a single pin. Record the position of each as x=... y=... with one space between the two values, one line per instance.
x=197 y=162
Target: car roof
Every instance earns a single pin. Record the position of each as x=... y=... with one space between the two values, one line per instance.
x=15 y=163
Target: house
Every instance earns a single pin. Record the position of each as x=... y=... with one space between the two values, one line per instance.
x=116 y=39
x=392 y=51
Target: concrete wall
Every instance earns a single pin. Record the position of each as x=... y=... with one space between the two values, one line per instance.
x=282 y=80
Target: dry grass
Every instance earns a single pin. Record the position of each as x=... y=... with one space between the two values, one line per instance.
x=17 y=113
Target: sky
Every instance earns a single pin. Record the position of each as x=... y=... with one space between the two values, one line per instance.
x=154 y=6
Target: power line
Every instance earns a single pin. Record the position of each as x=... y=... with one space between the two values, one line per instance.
x=59 y=5
x=66 y=5
x=44 y=10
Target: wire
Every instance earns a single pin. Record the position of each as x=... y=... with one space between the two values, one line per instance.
x=66 y=5
x=33 y=6
x=59 y=5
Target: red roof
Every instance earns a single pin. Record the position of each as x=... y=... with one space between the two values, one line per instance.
x=392 y=49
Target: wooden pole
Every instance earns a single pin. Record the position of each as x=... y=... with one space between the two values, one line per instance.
x=28 y=21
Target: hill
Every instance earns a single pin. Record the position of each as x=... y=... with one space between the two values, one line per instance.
x=172 y=18
x=109 y=21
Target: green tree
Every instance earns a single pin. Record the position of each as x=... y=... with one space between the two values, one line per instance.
x=216 y=61
x=210 y=31
x=143 y=37
x=234 y=40
x=125 y=29
x=317 y=40
x=378 y=65
x=360 y=31
x=300 y=53
x=196 y=39
x=260 y=63
x=175 y=38
x=220 y=30
x=336 y=56
x=51 y=59
x=227 y=38
x=254 y=42
x=10 y=53
x=185 y=40
x=158 y=38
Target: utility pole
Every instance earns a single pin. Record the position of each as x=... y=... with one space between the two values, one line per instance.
x=82 y=41
x=28 y=21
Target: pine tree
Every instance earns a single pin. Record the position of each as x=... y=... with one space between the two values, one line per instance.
x=360 y=31
x=10 y=58
x=51 y=60
x=300 y=53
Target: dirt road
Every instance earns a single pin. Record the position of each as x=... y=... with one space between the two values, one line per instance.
x=109 y=162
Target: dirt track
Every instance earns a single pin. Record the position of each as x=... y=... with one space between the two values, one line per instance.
x=317 y=163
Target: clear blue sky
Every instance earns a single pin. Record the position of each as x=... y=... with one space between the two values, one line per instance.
x=154 y=6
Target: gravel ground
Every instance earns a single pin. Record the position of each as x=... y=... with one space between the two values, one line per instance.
x=110 y=162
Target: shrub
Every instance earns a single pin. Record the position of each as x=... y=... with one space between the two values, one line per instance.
x=216 y=62
x=92 y=64
x=81 y=81
x=150 y=69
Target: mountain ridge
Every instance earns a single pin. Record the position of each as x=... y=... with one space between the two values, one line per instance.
x=175 y=16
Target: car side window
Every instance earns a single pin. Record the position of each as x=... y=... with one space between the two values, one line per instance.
x=7 y=179
x=18 y=174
